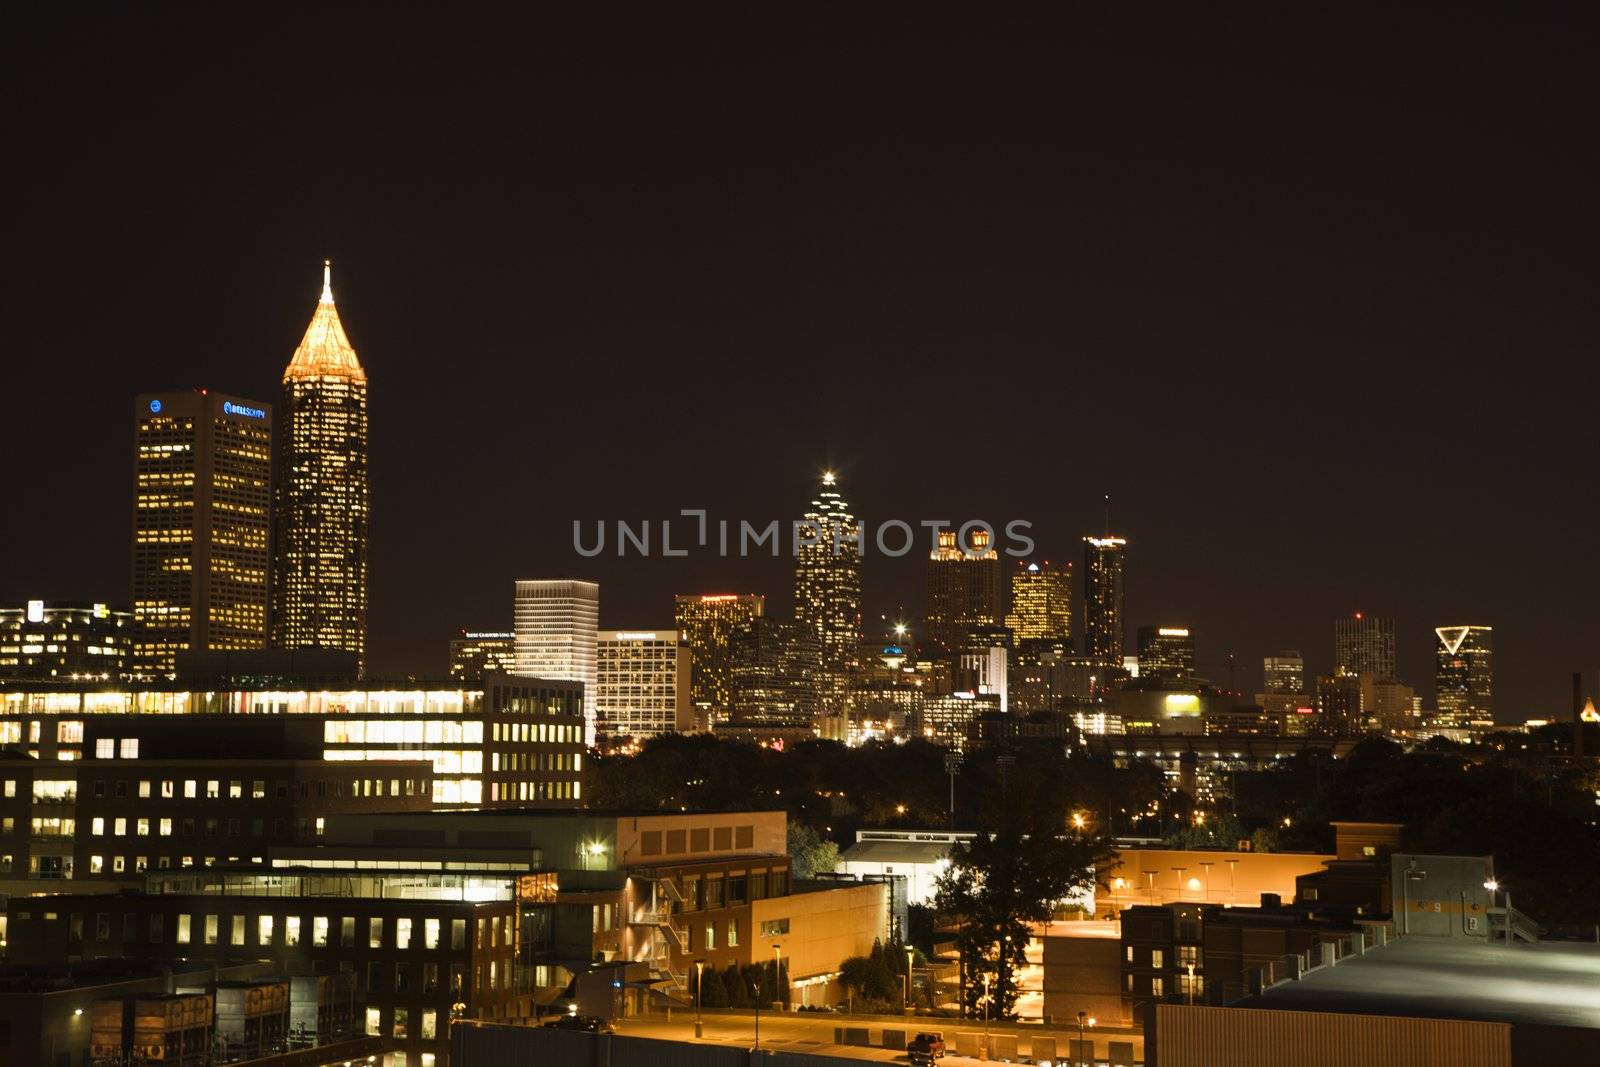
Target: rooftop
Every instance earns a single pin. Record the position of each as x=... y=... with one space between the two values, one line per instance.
x=1553 y=983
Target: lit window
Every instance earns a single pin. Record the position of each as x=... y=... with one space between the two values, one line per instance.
x=374 y=1022
x=264 y=930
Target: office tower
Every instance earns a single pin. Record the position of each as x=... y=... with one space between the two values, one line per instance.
x=1284 y=673
x=827 y=577
x=982 y=664
x=1338 y=706
x=1387 y=705
x=473 y=655
x=1103 y=596
x=557 y=626
x=319 y=576
x=1041 y=602
x=202 y=515
x=1464 y=674
x=963 y=588
x=1166 y=652
x=642 y=684
x=1364 y=644
x=41 y=640
x=706 y=624
x=775 y=668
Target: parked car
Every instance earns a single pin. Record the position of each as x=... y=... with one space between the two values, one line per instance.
x=589 y=1024
x=925 y=1047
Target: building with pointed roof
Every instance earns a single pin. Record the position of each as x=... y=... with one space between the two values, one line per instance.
x=827 y=577
x=319 y=595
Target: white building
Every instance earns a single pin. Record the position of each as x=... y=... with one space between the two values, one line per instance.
x=642 y=684
x=920 y=856
x=557 y=624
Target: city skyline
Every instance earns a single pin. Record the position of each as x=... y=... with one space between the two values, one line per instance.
x=1089 y=281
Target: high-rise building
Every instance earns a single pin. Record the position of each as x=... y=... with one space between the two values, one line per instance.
x=1464 y=674
x=202 y=517
x=1338 y=706
x=319 y=575
x=1387 y=705
x=642 y=684
x=706 y=624
x=776 y=670
x=557 y=627
x=1103 y=599
x=473 y=655
x=1041 y=602
x=41 y=640
x=827 y=577
x=1364 y=644
x=1166 y=652
x=1284 y=673
x=963 y=588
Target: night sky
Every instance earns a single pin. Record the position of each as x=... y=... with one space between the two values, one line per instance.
x=1312 y=301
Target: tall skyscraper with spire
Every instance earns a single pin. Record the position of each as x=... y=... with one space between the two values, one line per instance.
x=319 y=577
x=827 y=577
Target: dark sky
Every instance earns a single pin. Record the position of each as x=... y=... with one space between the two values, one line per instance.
x=1313 y=301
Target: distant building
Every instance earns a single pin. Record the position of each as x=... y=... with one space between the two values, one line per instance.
x=1338 y=706
x=1464 y=674
x=642 y=684
x=557 y=623
x=1284 y=673
x=775 y=668
x=1166 y=652
x=706 y=624
x=949 y=720
x=1041 y=602
x=1387 y=706
x=1364 y=644
x=963 y=588
x=202 y=521
x=1104 y=594
x=473 y=655
x=320 y=513
x=42 y=640
x=827 y=578
x=982 y=663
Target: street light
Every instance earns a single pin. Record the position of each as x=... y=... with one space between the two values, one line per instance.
x=699 y=993
x=1117 y=886
x=777 y=971
x=1492 y=885
x=910 y=952
x=1084 y=1019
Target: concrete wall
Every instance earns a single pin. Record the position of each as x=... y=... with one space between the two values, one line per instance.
x=1236 y=878
x=825 y=928
x=495 y=1046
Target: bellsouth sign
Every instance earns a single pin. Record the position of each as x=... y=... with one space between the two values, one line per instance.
x=230 y=408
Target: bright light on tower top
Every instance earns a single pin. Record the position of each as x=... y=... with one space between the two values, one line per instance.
x=827 y=477
x=327 y=282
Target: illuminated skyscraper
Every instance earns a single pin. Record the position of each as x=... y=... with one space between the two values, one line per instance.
x=827 y=578
x=1166 y=652
x=1364 y=644
x=1103 y=597
x=473 y=655
x=643 y=684
x=1464 y=674
x=1284 y=673
x=707 y=625
x=557 y=624
x=1041 y=602
x=202 y=516
x=963 y=588
x=48 y=640
x=319 y=578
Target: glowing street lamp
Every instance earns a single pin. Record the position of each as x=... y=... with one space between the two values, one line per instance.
x=699 y=992
x=1084 y=1019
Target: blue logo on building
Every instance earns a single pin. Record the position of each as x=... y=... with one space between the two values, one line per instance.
x=155 y=406
x=230 y=408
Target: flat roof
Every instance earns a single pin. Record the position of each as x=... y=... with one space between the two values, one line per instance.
x=1554 y=983
x=896 y=852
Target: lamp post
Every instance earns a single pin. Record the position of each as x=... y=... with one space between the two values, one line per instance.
x=757 y=1050
x=699 y=993
x=910 y=953
x=985 y=1050
x=777 y=971
x=1492 y=885
x=1084 y=1019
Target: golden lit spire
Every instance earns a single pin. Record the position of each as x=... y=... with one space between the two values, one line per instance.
x=325 y=351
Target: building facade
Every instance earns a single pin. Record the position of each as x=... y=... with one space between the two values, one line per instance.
x=1104 y=596
x=963 y=588
x=322 y=502
x=474 y=655
x=202 y=519
x=1284 y=672
x=827 y=577
x=777 y=670
x=1166 y=652
x=1041 y=602
x=1464 y=675
x=706 y=624
x=557 y=623
x=1364 y=644
x=45 y=640
x=642 y=684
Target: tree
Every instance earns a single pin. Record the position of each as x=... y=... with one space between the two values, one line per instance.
x=1012 y=874
x=738 y=990
x=810 y=853
x=715 y=993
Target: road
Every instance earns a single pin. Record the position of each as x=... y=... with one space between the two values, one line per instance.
x=807 y=1032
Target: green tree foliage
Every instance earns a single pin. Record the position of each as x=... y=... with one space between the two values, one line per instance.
x=810 y=853
x=715 y=993
x=738 y=989
x=1209 y=831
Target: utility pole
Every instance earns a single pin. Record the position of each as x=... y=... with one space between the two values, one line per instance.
x=952 y=767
